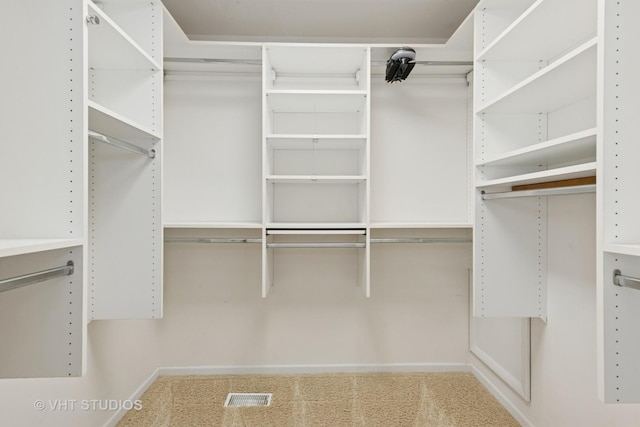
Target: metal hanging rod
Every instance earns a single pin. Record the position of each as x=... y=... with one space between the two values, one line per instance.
x=40 y=276
x=122 y=144
x=259 y=62
x=212 y=240
x=320 y=245
x=578 y=189
x=625 y=281
x=423 y=240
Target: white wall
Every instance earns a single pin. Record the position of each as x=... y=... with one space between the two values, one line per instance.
x=563 y=351
x=315 y=315
x=121 y=356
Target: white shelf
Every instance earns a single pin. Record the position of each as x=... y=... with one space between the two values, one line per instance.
x=633 y=250
x=320 y=232
x=579 y=145
x=567 y=80
x=323 y=142
x=211 y=224
x=316 y=179
x=316 y=101
x=569 y=172
x=11 y=247
x=110 y=123
x=110 y=47
x=315 y=225
x=419 y=225
x=523 y=39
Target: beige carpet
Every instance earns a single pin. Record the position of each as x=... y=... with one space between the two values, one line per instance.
x=451 y=399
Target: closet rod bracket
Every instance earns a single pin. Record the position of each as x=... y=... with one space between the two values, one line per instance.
x=625 y=281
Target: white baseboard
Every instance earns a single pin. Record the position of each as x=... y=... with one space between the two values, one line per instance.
x=312 y=369
x=519 y=416
x=136 y=395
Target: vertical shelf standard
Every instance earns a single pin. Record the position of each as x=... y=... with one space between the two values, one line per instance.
x=618 y=204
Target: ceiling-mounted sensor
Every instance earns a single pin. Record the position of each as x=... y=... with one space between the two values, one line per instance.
x=400 y=64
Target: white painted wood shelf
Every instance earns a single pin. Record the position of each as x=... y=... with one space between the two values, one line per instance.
x=578 y=145
x=302 y=226
x=212 y=224
x=569 y=172
x=12 y=247
x=316 y=179
x=628 y=249
x=571 y=78
x=111 y=47
x=419 y=225
x=107 y=122
x=524 y=40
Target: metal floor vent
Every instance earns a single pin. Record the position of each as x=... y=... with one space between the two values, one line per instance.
x=235 y=400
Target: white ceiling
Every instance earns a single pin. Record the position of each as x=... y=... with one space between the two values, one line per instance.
x=364 y=21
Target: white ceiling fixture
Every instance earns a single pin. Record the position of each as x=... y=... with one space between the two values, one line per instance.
x=357 y=21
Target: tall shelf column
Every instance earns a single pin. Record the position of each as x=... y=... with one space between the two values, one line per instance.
x=618 y=203
x=534 y=128
x=316 y=103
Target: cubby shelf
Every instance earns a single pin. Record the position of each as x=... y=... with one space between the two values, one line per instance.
x=578 y=145
x=11 y=247
x=570 y=79
x=112 y=48
x=523 y=40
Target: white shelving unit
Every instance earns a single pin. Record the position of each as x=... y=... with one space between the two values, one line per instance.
x=535 y=123
x=315 y=151
x=125 y=104
x=304 y=178
x=42 y=183
x=618 y=204
x=85 y=67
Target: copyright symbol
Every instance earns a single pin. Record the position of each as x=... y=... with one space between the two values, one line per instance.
x=39 y=405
